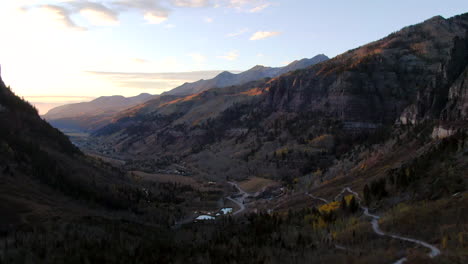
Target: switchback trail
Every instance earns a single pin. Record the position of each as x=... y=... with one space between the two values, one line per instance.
x=375 y=225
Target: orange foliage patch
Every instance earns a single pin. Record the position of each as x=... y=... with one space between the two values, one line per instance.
x=253 y=92
x=184 y=99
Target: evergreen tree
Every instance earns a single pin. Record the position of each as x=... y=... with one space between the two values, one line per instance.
x=367 y=195
x=353 y=205
x=343 y=205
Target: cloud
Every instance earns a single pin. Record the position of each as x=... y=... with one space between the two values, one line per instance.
x=169 y=26
x=106 y=12
x=152 y=10
x=61 y=12
x=232 y=55
x=155 y=18
x=60 y=15
x=264 y=34
x=98 y=18
x=191 y=3
x=259 y=8
x=208 y=20
x=97 y=14
x=250 y=6
x=237 y=33
x=197 y=57
x=238 y=3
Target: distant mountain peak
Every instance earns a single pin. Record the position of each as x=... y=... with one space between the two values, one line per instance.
x=321 y=55
x=258 y=67
x=436 y=18
x=225 y=73
x=226 y=79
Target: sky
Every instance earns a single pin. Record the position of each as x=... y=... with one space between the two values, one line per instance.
x=61 y=51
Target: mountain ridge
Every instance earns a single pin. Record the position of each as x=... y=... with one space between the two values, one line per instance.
x=93 y=115
x=87 y=116
x=345 y=161
x=402 y=79
x=108 y=101
x=257 y=72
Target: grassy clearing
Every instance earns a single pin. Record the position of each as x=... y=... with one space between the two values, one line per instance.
x=256 y=184
x=139 y=175
x=77 y=134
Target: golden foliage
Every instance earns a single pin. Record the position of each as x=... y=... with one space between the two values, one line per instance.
x=444 y=242
x=326 y=208
x=348 y=198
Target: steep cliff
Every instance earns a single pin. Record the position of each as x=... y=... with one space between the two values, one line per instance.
x=407 y=75
x=413 y=76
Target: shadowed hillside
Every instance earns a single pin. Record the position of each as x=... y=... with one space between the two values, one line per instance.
x=358 y=159
x=301 y=121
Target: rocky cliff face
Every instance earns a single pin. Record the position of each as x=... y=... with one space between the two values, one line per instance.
x=457 y=105
x=404 y=76
x=412 y=76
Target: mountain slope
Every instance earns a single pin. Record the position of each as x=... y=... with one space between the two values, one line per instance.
x=258 y=72
x=302 y=121
x=42 y=174
x=94 y=114
x=387 y=120
x=311 y=130
x=51 y=192
x=90 y=116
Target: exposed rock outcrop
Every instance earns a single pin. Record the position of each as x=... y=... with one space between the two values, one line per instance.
x=413 y=76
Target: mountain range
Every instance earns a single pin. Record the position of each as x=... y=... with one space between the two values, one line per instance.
x=361 y=158
x=90 y=116
x=258 y=72
x=410 y=77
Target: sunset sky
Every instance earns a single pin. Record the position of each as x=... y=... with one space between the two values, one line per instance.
x=59 y=51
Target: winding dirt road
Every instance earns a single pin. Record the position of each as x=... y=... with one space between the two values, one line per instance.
x=375 y=225
x=317 y=198
x=240 y=200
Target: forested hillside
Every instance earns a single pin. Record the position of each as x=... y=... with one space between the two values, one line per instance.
x=362 y=158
